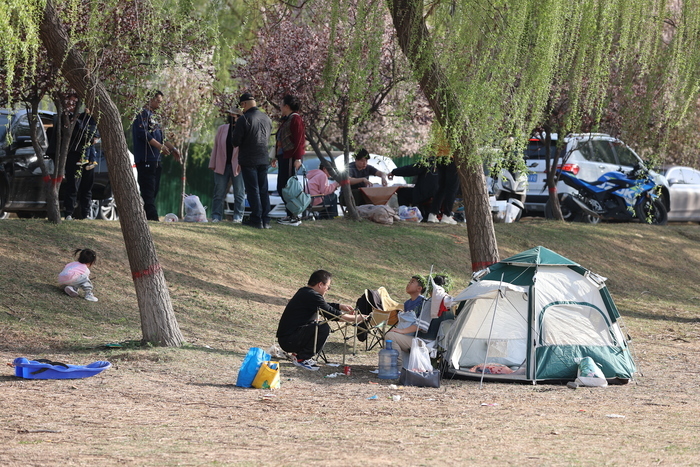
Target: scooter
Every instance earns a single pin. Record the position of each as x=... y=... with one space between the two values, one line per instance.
x=614 y=196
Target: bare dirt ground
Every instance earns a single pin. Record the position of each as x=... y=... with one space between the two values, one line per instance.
x=180 y=407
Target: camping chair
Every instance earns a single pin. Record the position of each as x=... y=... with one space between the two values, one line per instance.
x=383 y=311
x=326 y=210
x=346 y=329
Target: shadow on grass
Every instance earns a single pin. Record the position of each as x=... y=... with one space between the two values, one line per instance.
x=658 y=317
x=186 y=280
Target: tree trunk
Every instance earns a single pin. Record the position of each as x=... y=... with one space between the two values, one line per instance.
x=52 y=181
x=416 y=44
x=551 y=172
x=158 y=323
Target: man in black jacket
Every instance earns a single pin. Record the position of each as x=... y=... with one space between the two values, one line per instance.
x=251 y=135
x=297 y=329
x=424 y=188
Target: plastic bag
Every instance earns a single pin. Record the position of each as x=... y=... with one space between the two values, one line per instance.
x=419 y=359
x=421 y=379
x=194 y=210
x=420 y=371
x=589 y=374
x=268 y=376
x=381 y=214
x=410 y=214
x=250 y=366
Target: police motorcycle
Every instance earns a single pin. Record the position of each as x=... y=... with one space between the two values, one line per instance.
x=614 y=196
x=508 y=184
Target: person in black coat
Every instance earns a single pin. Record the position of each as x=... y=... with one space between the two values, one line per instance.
x=424 y=188
x=251 y=135
x=79 y=164
x=298 y=329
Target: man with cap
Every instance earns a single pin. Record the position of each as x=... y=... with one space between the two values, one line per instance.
x=149 y=146
x=362 y=170
x=251 y=136
x=224 y=163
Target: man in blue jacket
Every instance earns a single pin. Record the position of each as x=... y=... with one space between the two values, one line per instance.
x=252 y=135
x=149 y=145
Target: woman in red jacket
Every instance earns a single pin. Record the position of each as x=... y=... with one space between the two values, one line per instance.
x=291 y=143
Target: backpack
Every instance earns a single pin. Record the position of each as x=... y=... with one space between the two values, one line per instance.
x=296 y=200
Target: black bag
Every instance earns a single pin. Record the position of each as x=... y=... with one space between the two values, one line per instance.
x=427 y=379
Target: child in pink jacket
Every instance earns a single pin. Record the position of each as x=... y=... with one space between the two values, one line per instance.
x=76 y=275
x=318 y=185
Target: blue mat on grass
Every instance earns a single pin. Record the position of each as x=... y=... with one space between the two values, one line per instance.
x=45 y=369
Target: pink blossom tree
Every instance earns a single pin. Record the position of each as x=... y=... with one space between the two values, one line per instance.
x=353 y=94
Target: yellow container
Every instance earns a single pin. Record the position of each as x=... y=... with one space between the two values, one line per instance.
x=268 y=376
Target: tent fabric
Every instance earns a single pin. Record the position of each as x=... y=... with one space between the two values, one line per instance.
x=537 y=313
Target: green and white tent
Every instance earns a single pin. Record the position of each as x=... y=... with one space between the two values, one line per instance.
x=531 y=317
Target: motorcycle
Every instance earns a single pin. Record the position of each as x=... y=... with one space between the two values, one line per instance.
x=614 y=196
x=511 y=186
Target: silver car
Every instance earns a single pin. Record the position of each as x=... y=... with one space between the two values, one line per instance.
x=684 y=187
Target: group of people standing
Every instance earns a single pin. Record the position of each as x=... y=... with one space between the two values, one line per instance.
x=240 y=157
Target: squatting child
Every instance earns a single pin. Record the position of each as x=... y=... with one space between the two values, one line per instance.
x=76 y=275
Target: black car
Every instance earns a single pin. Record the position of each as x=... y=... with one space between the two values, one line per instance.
x=22 y=189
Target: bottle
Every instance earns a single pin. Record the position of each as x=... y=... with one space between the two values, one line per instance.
x=388 y=362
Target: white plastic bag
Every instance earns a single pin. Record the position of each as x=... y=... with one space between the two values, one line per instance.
x=194 y=210
x=410 y=214
x=589 y=374
x=419 y=360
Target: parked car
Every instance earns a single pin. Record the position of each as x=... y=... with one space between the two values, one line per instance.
x=21 y=185
x=311 y=162
x=684 y=188
x=22 y=189
x=590 y=156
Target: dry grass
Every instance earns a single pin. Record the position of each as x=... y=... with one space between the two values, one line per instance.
x=161 y=406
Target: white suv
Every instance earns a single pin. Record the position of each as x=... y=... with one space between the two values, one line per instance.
x=590 y=155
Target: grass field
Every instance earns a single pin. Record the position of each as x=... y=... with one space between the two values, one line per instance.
x=229 y=284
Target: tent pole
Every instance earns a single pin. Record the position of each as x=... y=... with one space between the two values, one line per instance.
x=488 y=342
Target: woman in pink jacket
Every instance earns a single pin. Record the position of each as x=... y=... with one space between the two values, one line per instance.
x=321 y=190
x=224 y=163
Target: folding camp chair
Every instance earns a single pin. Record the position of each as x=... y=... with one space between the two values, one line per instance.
x=346 y=329
x=328 y=209
x=383 y=311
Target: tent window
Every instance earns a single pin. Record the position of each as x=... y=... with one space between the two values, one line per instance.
x=574 y=324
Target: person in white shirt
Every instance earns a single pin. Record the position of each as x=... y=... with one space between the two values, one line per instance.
x=76 y=275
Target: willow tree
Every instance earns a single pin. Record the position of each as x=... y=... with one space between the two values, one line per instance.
x=83 y=61
x=494 y=70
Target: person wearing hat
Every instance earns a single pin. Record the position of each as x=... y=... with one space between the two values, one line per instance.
x=149 y=146
x=360 y=169
x=251 y=136
x=291 y=145
x=224 y=163
x=322 y=192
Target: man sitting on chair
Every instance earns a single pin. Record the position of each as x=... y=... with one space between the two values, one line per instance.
x=402 y=335
x=298 y=330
